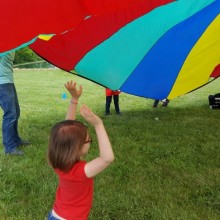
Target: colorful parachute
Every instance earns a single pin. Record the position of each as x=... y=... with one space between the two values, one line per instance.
x=157 y=49
x=22 y=21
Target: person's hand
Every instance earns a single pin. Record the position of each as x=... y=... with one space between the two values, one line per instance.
x=89 y=116
x=74 y=92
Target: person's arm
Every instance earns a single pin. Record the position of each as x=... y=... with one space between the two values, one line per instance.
x=106 y=155
x=75 y=94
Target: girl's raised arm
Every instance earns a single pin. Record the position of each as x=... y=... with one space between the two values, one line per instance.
x=106 y=155
x=75 y=94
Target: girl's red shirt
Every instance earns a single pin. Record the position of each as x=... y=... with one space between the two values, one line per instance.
x=74 y=193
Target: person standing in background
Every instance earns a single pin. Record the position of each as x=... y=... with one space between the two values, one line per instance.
x=164 y=101
x=109 y=94
x=10 y=106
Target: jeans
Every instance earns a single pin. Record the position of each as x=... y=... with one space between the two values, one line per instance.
x=51 y=217
x=108 y=103
x=10 y=106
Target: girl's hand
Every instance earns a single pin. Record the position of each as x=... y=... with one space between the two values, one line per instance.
x=74 y=92
x=89 y=116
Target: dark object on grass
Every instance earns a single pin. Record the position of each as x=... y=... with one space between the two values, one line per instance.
x=214 y=101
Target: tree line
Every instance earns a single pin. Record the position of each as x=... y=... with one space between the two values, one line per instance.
x=26 y=55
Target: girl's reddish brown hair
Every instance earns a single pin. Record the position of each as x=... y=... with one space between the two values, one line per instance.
x=65 y=145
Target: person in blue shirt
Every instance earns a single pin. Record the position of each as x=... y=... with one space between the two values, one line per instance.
x=10 y=106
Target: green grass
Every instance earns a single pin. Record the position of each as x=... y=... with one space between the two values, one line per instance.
x=164 y=169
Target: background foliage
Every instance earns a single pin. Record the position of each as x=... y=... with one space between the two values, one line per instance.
x=25 y=55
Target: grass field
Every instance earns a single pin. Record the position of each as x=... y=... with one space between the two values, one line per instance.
x=164 y=169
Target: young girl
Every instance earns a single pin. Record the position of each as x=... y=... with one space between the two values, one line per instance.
x=69 y=141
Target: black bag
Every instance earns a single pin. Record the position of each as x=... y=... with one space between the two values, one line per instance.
x=214 y=101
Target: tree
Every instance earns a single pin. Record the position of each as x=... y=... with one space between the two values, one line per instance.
x=26 y=55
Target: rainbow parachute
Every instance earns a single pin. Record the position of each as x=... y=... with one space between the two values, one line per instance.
x=157 y=49
x=22 y=21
